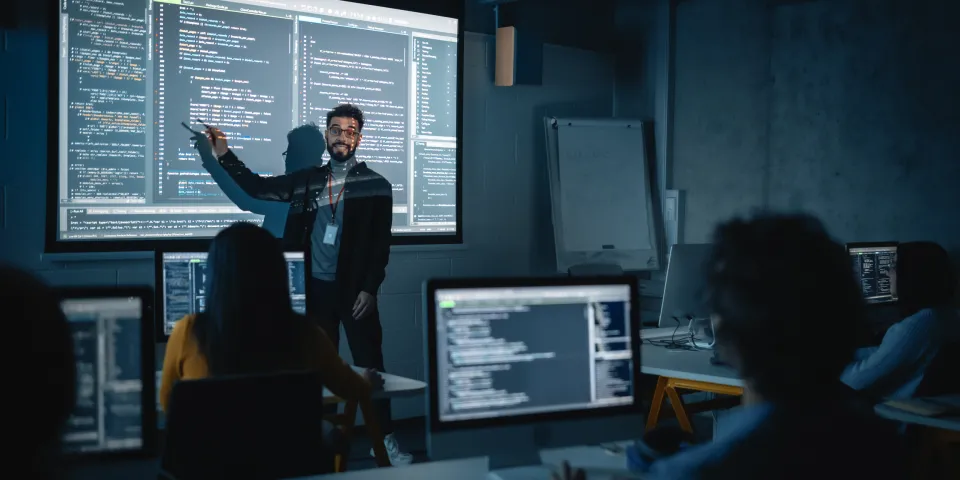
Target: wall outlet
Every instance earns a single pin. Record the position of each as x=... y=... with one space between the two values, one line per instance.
x=673 y=218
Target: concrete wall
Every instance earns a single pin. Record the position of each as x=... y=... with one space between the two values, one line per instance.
x=846 y=109
x=642 y=89
x=506 y=205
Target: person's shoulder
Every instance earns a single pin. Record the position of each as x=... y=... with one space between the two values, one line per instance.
x=369 y=174
x=373 y=181
x=307 y=171
x=184 y=326
x=921 y=321
x=186 y=323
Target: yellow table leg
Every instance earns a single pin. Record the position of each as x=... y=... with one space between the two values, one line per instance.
x=346 y=422
x=670 y=387
x=677 y=403
x=654 y=416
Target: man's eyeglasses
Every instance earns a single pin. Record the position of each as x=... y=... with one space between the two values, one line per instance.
x=337 y=131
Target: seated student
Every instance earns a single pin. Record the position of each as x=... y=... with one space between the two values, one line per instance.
x=249 y=325
x=46 y=392
x=772 y=282
x=925 y=286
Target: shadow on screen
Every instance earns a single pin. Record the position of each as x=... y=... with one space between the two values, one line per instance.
x=274 y=213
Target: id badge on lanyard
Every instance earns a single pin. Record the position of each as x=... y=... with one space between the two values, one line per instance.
x=330 y=234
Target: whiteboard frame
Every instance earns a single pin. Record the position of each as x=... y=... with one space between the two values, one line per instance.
x=644 y=259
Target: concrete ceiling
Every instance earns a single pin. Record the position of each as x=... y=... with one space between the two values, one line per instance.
x=578 y=24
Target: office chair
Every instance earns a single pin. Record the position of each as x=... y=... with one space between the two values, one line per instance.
x=256 y=427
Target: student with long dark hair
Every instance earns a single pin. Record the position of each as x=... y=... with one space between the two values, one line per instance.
x=249 y=325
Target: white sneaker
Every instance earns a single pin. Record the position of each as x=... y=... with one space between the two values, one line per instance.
x=397 y=457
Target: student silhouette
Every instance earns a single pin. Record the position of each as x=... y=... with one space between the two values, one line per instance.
x=45 y=395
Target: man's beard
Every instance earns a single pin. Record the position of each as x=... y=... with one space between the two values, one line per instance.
x=340 y=157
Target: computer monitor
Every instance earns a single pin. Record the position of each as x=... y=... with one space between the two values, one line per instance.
x=181 y=284
x=875 y=267
x=115 y=413
x=519 y=365
x=685 y=286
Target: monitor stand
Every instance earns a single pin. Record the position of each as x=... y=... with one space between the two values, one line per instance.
x=518 y=464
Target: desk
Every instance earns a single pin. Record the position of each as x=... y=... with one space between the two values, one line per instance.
x=394 y=386
x=465 y=469
x=598 y=464
x=951 y=423
x=686 y=370
x=938 y=439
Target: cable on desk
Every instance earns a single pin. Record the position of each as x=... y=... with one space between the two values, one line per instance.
x=685 y=341
x=693 y=335
x=682 y=342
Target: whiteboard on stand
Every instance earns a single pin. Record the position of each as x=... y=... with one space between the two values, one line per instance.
x=601 y=195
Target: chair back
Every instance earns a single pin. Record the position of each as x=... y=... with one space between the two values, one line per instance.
x=256 y=427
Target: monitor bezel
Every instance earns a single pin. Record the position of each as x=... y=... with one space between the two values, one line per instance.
x=433 y=413
x=148 y=370
x=159 y=304
x=895 y=244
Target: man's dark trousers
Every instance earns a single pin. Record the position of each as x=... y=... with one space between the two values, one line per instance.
x=329 y=308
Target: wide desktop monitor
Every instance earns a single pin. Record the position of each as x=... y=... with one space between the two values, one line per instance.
x=181 y=286
x=875 y=267
x=115 y=413
x=519 y=365
x=684 y=290
x=125 y=74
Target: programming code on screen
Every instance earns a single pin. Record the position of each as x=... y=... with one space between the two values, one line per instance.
x=106 y=336
x=131 y=71
x=500 y=352
x=184 y=285
x=875 y=268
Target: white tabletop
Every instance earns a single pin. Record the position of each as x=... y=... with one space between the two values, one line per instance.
x=598 y=464
x=951 y=422
x=464 y=469
x=394 y=386
x=686 y=364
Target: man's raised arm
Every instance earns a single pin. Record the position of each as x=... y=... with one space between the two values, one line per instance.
x=213 y=148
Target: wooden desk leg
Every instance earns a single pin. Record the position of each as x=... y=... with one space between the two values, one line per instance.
x=349 y=419
x=677 y=403
x=654 y=416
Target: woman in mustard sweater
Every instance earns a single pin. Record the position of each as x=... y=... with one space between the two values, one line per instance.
x=249 y=325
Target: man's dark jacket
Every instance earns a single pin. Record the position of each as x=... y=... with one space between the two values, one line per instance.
x=367 y=218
